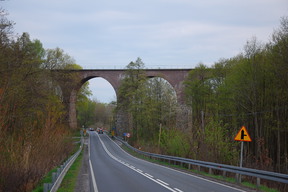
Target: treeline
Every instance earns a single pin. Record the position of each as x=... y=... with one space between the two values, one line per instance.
x=34 y=132
x=250 y=89
x=92 y=113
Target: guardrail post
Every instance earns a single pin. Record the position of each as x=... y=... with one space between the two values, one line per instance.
x=224 y=174
x=54 y=177
x=210 y=171
x=238 y=178
x=198 y=168
x=58 y=171
x=258 y=182
x=46 y=187
x=189 y=166
x=50 y=185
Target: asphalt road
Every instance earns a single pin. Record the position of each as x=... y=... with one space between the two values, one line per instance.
x=112 y=169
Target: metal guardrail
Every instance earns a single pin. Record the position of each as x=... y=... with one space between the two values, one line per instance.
x=272 y=176
x=58 y=176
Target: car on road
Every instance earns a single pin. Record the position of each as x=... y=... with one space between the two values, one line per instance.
x=100 y=130
x=91 y=129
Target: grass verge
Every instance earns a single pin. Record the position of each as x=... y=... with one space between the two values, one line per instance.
x=70 y=179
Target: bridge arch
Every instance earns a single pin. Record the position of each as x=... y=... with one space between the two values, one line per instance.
x=175 y=77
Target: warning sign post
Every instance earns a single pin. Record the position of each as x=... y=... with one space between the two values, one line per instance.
x=242 y=136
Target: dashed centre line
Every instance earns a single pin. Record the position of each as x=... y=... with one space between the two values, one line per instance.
x=148 y=175
x=139 y=170
x=160 y=182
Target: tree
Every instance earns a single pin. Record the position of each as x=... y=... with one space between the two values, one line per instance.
x=198 y=92
x=86 y=112
x=130 y=95
x=31 y=113
x=57 y=59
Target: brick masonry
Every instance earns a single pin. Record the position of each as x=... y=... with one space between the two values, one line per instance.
x=174 y=76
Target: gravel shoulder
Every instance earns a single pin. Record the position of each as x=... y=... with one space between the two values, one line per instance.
x=82 y=184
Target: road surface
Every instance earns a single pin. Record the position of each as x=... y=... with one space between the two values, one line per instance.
x=112 y=169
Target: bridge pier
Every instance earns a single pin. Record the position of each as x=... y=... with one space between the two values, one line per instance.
x=72 y=110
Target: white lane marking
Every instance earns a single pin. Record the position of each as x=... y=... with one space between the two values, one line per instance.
x=162 y=182
x=179 y=171
x=139 y=170
x=93 y=177
x=113 y=157
x=178 y=190
x=148 y=175
x=89 y=147
x=92 y=172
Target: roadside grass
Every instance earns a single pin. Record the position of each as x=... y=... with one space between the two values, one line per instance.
x=70 y=179
x=46 y=179
x=218 y=177
x=261 y=188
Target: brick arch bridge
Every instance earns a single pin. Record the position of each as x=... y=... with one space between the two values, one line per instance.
x=174 y=76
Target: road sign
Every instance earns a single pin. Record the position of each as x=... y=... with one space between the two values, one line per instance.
x=243 y=135
x=127 y=134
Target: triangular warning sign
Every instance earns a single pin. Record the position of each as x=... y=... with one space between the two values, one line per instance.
x=243 y=135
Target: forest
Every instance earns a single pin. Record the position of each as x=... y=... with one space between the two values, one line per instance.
x=250 y=89
x=34 y=132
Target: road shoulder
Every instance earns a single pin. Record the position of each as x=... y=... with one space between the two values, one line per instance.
x=82 y=184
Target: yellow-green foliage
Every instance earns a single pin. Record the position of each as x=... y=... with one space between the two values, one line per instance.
x=220 y=146
x=175 y=143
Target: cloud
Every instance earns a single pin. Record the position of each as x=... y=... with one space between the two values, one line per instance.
x=175 y=33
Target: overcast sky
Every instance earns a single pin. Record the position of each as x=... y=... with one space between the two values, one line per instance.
x=163 y=33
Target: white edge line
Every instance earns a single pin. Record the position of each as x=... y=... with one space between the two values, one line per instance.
x=89 y=147
x=180 y=171
x=91 y=170
x=93 y=177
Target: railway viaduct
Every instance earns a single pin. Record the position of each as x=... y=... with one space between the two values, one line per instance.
x=114 y=76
